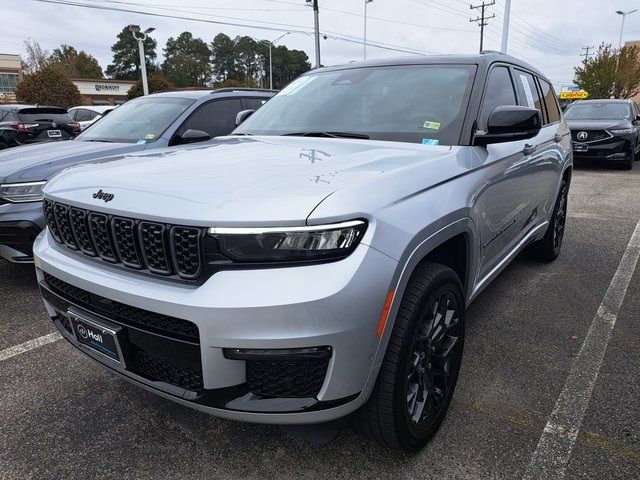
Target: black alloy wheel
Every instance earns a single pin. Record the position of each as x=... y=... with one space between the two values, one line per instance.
x=436 y=355
x=420 y=369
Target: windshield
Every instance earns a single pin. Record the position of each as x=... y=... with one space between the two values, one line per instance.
x=58 y=115
x=598 y=111
x=417 y=103
x=142 y=120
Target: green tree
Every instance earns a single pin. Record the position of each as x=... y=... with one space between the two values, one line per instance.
x=223 y=57
x=186 y=61
x=157 y=83
x=48 y=87
x=126 y=59
x=75 y=64
x=602 y=78
x=287 y=65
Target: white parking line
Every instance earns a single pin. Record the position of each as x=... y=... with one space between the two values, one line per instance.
x=553 y=452
x=30 y=345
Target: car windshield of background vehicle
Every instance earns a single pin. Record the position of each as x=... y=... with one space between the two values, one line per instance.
x=142 y=120
x=418 y=103
x=598 y=111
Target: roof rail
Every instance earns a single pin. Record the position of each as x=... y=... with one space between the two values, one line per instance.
x=242 y=89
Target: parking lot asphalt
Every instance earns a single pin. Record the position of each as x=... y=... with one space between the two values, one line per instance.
x=62 y=416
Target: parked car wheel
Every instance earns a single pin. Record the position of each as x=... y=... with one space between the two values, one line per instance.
x=549 y=247
x=628 y=163
x=420 y=369
x=3 y=145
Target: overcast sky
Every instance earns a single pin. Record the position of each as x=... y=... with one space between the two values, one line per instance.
x=547 y=33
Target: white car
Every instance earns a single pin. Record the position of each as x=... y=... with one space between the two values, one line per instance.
x=87 y=115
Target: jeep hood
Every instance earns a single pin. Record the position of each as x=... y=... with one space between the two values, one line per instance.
x=237 y=180
x=40 y=161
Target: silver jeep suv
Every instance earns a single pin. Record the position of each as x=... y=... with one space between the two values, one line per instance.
x=318 y=261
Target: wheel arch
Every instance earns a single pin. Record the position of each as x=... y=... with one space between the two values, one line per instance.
x=453 y=246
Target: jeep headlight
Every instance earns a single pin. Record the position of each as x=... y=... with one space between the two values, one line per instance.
x=289 y=244
x=22 y=192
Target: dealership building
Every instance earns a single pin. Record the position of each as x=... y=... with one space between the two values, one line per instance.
x=10 y=74
x=98 y=91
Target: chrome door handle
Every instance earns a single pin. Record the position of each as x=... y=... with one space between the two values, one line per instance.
x=529 y=149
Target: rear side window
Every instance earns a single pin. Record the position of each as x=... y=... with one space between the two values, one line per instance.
x=553 y=112
x=58 y=115
x=83 y=115
x=254 y=103
x=529 y=91
x=499 y=92
x=216 y=118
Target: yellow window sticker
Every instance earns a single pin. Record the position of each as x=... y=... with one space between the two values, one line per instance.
x=150 y=136
x=432 y=125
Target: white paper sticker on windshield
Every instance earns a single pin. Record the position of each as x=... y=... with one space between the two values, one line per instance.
x=527 y=90
x=296 y=85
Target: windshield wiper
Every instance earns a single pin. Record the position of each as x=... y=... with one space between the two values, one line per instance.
x=327 y=134
x=102 y=140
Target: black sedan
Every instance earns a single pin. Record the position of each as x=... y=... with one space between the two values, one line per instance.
x=605 y=130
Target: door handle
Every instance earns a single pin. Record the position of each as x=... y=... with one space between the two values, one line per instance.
x=529 y=149
x=557 y=138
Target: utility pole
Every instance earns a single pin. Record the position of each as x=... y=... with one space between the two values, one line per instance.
x=316 y=25
x=482 y=20
x=364 y=56
x=505 y=26
x=586 y=53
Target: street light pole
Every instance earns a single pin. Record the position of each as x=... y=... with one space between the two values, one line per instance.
x=505 y=26
x=141 y=37
x=364 y=56
x=624 y=14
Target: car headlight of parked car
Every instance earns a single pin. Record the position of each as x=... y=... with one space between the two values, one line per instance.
x=622 y=131
x=22 y=192
x=289 y=244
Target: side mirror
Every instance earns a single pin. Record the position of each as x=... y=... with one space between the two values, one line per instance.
x=637 y=118
x=193 y=136
x=508 y=123
x=243 y=115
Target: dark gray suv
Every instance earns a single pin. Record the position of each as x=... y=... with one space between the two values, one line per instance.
x=145 y=123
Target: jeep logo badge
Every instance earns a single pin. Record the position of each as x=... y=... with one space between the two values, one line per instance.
x=582 y=136
x=107 y=197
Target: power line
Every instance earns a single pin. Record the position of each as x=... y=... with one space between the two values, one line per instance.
x=482 y=20
x=276 y=28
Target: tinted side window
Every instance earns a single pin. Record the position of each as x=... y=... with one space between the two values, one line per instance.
x=499 y=92
x=216 y=118
x=254 y=103
x=550 y=101
x=83 y=115
x=529 y=91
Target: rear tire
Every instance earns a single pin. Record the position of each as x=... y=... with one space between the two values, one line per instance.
x=3 y=145
x=549 y=247
x=421 y=365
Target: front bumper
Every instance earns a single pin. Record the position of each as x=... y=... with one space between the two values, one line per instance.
x=20 y=223
x=617 y=148
x=335 y=305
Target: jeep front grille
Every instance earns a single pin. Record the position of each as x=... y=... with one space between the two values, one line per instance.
x=157 y=248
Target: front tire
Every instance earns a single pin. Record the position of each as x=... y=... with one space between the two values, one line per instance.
x=549 y=247
x=420 y=369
